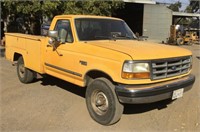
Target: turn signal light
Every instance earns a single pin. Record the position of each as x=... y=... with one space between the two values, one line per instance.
x=143 y=75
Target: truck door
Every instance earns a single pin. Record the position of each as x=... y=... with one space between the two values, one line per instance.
x=59 y=61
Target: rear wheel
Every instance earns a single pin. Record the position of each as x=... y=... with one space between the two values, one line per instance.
x=179 y=41
x=25 y=75
x=102 y=102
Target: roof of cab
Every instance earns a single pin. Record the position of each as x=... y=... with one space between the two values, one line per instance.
x=85 y=16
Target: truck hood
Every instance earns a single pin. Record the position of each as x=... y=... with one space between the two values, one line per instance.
x=142 y=50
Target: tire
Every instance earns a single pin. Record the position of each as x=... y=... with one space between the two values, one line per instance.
x=102 y=102
x=25 y=75
x=179 y=41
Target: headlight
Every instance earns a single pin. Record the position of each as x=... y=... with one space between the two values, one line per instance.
x=135 y=70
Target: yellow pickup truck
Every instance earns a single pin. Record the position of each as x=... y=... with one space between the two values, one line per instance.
x=104 y=56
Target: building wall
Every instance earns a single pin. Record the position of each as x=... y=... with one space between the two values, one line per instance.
x=156 y=22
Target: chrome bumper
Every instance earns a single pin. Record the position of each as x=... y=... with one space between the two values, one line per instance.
x=137 y=94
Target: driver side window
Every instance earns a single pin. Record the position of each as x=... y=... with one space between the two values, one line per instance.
x=64 y=31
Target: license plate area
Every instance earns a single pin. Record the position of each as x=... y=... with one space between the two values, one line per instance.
x=177 y=93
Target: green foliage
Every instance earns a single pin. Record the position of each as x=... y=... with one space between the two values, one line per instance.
x=188 y=9
x=33 y=11
x=51 y=8
x=193 y=6
x=92 y=7
x=175 y=6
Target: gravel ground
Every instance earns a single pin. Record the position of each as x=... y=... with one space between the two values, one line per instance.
x=50 y=104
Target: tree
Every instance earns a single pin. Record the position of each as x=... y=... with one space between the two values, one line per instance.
x=193 y=6
x=175 y=6
x=92 y=7
x=27 y=16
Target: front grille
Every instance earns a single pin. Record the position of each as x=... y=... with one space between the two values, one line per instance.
x=170 y=67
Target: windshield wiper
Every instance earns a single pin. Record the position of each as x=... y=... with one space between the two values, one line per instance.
x=103 y=37
x=123 y=36
x=114 y=37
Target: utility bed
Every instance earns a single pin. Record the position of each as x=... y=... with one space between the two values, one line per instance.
x=29 y=45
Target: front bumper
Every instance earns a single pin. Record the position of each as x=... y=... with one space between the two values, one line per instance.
x=148 y=93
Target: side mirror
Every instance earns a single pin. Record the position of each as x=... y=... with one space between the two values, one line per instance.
x=53 y=34
x=59 y=37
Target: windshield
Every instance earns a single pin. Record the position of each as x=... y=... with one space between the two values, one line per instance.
x=102 y=29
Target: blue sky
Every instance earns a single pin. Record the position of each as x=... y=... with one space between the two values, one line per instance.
x=185 y=3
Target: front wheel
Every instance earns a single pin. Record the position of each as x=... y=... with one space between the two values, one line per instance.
x=102 y=102
x=25 y=75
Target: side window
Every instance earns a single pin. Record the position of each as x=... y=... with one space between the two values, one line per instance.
x=64 y=31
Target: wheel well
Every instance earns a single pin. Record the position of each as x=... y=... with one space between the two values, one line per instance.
x=91 y=75
x=16 y=56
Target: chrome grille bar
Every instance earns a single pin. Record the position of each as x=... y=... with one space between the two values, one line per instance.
x=170 y=67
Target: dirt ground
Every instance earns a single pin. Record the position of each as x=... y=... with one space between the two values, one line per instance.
x=50 y=104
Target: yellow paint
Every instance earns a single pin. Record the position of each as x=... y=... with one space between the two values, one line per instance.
x=107 y=56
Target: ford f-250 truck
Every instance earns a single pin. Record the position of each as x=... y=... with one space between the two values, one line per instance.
x=103 y=55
